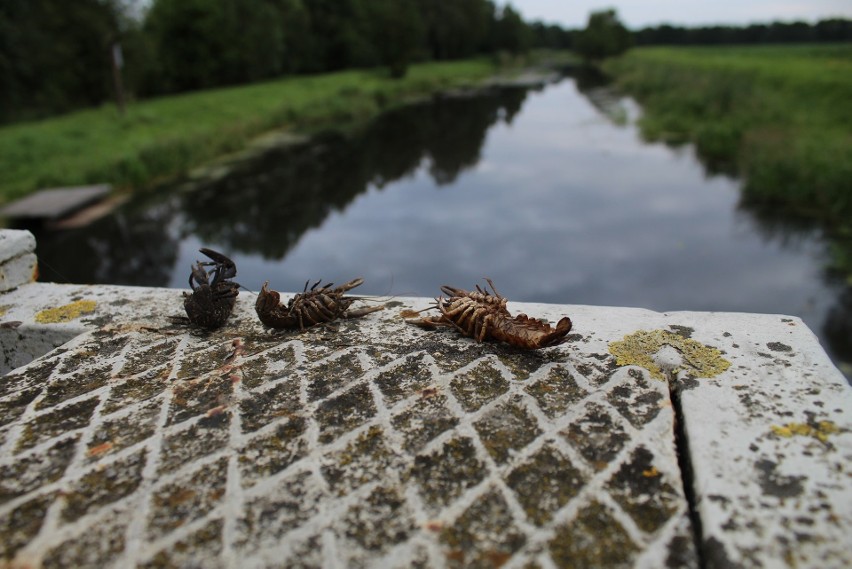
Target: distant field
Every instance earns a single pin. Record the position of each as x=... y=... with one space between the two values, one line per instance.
x=161 y=137
x=779 y=116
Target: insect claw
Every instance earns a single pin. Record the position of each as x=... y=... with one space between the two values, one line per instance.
x=212 y=300
x=224 y=267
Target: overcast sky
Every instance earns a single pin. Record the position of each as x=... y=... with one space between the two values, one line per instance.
x=640 y=13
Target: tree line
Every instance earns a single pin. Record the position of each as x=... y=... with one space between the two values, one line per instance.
x=60 y=55
x=830 y=30
x=605 y=36
x=57 y=55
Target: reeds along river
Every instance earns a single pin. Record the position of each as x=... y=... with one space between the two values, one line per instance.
x=549 y=192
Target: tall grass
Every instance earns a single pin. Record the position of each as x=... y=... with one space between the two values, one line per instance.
x=162 y=137
x=780 y=116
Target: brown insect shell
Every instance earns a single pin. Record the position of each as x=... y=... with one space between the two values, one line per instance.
x=529 y=333
x=270 y=310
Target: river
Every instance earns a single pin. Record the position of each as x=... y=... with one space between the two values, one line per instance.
x=549 y=192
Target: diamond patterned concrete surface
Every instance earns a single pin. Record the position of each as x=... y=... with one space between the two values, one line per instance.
x=367 y=443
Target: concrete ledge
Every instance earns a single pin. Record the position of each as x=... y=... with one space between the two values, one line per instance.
x=770 y=448
x=145 y=443
x=18 y=263
x=39 y=317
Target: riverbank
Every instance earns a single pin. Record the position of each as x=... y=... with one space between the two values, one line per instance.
x=162 y=137
x=778 y=116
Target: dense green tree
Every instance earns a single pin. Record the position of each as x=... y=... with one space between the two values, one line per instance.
x=604 y=36
x=187 y=42
x=300 y=47
x=203 y=43
x=511 y=33
x=456 y=29
x=342 y=29
x=397 y=33
x=252 y=41
x=834 y=29
x=55 y=55
x=778 y=32
x=550 y=36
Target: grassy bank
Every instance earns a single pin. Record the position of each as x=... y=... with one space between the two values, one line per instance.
x=165 y=136
x=780 y=116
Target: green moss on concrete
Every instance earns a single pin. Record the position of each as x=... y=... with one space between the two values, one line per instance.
x=640 y=347
x=103 y=486
x=544 y=483
x=483 y=536
x=643 y=491
x=274 y=452
x=57 y=422
x=506 y=430
x=444 y=474
x=367 y=459
x=593 y=539
x=820 y=430
x=479 y=385
x=344 y=413
x=404 y=380
x=427 y=418
x=66 y=313
x=557 y=391
x=596 y=435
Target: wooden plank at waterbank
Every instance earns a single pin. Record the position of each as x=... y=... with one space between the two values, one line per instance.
x=55 y=203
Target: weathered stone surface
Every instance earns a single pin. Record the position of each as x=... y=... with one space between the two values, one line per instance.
x=374 y=443
x=18 y=263
x=18 y=271
x=770 y=444
x=370 y=443
x=14 y=243
x=42 y=316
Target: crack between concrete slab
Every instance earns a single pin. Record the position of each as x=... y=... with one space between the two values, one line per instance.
x=686 y=471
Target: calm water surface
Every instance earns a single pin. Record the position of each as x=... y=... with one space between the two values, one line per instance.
x=551 y=193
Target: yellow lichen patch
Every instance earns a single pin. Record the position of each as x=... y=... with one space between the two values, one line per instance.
x=65 y=313
x=639 y=349
x=4 y=309
x=820 y=431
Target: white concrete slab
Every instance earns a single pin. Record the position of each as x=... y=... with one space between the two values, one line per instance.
x=14 y=243
x=18 y=263
x=371 y=443
x=770 y=442
x=38 y=317
x=18 y=271
x=377 y=443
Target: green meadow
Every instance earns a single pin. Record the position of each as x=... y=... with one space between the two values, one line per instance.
x=778 y=116
x=162 y=137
